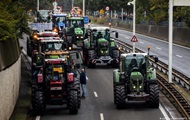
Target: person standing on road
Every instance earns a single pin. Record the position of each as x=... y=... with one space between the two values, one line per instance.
x=83 y=83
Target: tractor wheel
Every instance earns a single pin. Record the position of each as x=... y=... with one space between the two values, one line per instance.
x=154 y=96
x=120 y=96
x=91 y=55
x=38 y=102
x=114 y=92
x=73 y=102
x=76 y=85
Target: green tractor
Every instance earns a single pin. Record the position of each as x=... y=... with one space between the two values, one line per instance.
x=99 y=48
x=75 y=32
x=135 y=80
x=54 y=81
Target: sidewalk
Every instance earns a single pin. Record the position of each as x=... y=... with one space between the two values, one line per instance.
x=23 y=103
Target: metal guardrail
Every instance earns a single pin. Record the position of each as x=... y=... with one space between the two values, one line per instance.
x=180 y=103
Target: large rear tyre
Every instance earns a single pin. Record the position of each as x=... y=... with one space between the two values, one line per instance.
x=77 y=86
x=154 y=96
x=91 y=56
x=120 y=96
x=73 y=102
x=38 y=103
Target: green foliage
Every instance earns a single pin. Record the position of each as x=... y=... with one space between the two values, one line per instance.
x=13 y=20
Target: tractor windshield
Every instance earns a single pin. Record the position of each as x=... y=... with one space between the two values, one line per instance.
x=59 y=20
x=76 y=23
x=51 y=46
x=134 y=61
x=54 y=72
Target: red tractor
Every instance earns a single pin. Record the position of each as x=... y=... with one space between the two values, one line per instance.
x=55 y=82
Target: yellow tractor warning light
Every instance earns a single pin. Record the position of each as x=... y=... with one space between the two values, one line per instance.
x=55 y=30
x=109 y=24
x=148 y=47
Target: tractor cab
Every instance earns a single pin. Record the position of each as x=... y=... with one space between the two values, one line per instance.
x=75 y=31
x=59 y=23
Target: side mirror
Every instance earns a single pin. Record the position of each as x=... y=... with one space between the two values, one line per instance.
x=156 y=59
x=77 y=55
x=77 y=66
x=116 y=35
x=89 y=21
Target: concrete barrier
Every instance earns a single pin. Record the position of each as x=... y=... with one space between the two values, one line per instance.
x=9 y=89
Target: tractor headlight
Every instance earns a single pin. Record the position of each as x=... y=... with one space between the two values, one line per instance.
x=77 y=36
x=35 y=36
x=134 y=87
x=102 y=51
x=69 y=48
x=81 y=37
x=140 y=86
x=55 y=30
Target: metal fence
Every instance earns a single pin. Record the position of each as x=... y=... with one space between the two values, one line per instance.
x=9 y=53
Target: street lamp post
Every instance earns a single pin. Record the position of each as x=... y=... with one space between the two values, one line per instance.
x=83 y=7
x=38 y=5
x=134 y=17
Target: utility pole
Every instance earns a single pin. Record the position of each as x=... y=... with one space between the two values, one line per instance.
x=83 y=8
x=38 y=5
x=170 y=37
x=134 y=17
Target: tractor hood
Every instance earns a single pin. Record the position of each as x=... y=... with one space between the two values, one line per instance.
x=103 y=42
x=78 y=31
x=103 y=47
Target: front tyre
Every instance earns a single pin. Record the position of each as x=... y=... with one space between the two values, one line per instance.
x=73 y=102
x=120 y=96
x=38 y=103
x=154 y=96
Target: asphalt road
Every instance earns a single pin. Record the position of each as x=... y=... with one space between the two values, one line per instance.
x=180 y=58
x=99 y=105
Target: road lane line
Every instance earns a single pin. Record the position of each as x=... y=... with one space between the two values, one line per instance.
x=179 y=56
x=158 y=48
x=37 y=117
x=101 y=116
x=164 y=112
x=95 y=94
x=87 y=78
x=141 y=42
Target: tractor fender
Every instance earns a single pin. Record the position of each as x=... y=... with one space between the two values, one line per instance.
x=116 y=76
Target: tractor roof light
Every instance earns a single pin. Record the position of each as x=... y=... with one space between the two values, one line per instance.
x=69 y=48
x=109 y=24
x=148 y=47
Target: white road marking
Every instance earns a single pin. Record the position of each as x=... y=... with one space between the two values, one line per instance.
x=37 y=117
x=179 y=56
x=95 y=94
x=87 y=78
x=158 y=48
x=101 y=116
x=141 y=42
x=164 y=112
